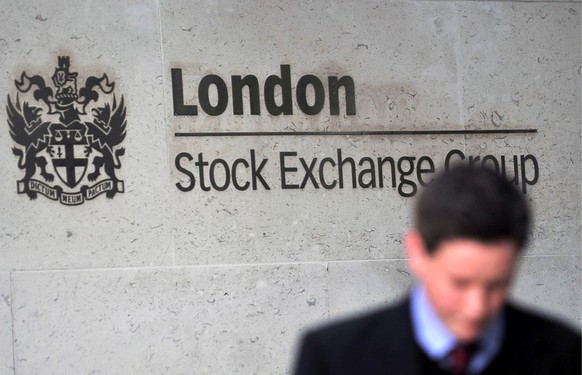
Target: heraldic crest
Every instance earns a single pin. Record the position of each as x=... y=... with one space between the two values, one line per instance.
x=68 y=141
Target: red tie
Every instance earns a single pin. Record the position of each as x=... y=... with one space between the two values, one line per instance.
x=461 y=356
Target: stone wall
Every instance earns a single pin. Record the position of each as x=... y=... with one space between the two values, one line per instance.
x=223 y=277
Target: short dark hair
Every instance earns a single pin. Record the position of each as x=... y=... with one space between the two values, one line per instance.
x=473 y=203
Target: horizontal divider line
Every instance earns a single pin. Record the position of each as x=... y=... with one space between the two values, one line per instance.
x=371 y=132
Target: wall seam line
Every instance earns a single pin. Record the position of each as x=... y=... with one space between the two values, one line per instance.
x=460 y=98
x=501 y=1
x=327 y=292
x=12 y=323
x=165 y=119
x=271 y=264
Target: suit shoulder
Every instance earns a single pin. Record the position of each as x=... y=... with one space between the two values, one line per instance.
x=541 y=329
x=542 y=344
x=536 y=321
x=361 y=328
x=363 y=344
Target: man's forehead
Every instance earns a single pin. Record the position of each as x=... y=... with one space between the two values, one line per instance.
x=457 y=246
x=465 y=256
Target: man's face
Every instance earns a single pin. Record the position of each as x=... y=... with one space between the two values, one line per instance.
x=466 y=282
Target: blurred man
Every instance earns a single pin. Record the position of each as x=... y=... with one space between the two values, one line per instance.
x=471 y=225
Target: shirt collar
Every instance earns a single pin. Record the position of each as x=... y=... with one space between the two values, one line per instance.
x=429 y=331
x=437 y=341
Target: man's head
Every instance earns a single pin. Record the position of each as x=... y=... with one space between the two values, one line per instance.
x=470 y=226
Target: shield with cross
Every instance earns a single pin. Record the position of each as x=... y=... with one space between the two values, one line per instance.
x=69 y=150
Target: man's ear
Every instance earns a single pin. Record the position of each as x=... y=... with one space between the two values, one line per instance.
x=415 y=252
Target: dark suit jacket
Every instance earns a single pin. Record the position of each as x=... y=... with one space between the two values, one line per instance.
x=383 y=343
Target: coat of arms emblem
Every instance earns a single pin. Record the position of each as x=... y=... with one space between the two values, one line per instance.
x=68 y=140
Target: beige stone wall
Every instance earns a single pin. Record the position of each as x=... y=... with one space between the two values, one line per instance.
x=158 y=280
